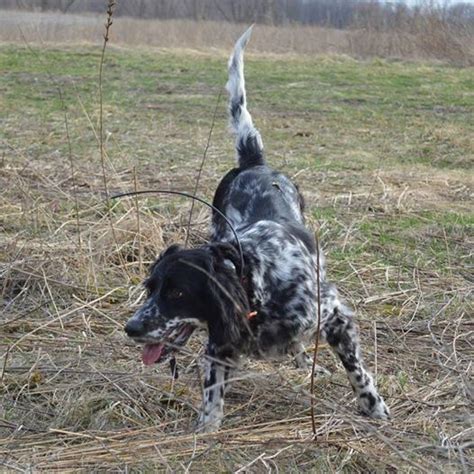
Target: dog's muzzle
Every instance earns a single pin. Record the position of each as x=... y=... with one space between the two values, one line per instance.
x=158 y=343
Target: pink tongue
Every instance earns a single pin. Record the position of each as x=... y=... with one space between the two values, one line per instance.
x=152 y=353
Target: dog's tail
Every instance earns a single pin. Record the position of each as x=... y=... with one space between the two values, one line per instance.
x=248 y=143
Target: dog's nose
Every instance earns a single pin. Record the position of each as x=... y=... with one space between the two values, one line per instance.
x=134 y=328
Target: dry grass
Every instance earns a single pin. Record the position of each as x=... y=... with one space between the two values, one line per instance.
x=430 y=38
x=389 y=189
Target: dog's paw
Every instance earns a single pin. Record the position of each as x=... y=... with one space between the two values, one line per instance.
x=305 y=362
x=210 y=427
x=373 y=405
x=208 y=424
x=321 y=371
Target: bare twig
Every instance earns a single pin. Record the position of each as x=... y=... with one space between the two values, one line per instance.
x=108 y=24
x=5 y=360
x=68 y=136
x=139 y=237
x=204 y=155
x=179 y=193
x=316 y=345
x=71 y=165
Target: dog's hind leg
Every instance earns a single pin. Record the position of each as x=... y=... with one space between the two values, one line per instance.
x=340 y=331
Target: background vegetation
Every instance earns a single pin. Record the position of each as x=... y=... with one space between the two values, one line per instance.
x=330 y=13
x=383 y=151
x=427 y=30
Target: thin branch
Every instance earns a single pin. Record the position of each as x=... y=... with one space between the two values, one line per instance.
x=179 y=193
x=139 y=237
x=108 y=24
x=201 y=167
x=68 y=136
x=316 y=345
x=71 y=165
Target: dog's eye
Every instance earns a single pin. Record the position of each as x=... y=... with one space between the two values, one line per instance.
x=174 y=294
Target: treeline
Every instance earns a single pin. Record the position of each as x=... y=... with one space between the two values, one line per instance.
x=330 y=13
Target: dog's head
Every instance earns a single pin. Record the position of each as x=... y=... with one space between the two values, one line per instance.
x=188 y=289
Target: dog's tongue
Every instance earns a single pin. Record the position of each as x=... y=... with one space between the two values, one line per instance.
x=152 y=353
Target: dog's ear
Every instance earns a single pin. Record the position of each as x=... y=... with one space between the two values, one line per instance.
x=230 y=302
x=227 y=255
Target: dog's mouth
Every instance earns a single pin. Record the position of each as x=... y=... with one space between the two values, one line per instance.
x=157 y=352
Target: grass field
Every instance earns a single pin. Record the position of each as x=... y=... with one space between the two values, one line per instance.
x=383 y=152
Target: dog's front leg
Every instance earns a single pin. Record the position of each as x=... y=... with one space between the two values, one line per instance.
x=217 y=374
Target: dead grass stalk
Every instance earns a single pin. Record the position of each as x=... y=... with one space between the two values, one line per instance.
x=426 y=38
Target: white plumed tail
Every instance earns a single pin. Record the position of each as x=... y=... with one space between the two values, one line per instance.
x=248 y=143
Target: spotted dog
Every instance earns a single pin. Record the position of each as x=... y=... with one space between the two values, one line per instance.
x=260 y=302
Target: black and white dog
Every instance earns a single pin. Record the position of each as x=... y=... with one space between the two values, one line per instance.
x=266 y=307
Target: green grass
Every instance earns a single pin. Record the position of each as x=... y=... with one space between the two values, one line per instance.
x=383 y=152
x=356 y=114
